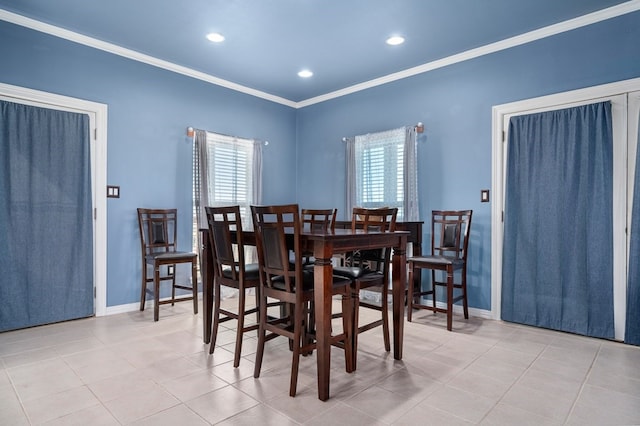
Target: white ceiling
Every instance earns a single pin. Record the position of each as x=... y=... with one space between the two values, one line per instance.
x=268 y=42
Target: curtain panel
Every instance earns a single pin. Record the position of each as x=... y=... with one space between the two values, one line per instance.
x=632 y=324
x=350 y=157
x=46 y=220
x=558 y=244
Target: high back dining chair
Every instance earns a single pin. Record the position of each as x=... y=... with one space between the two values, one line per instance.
x=230 y=270
x=449 y=244
x=158 y=243
x=284 y=278
x=369 y=269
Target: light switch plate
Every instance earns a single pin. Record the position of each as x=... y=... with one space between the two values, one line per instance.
x=113 y=191
x=484 y=195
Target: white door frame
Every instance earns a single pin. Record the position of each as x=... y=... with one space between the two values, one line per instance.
x=98 y=123
x=501 y=114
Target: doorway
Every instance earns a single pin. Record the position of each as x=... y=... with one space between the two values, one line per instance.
x=624 y=99
x=97 y=116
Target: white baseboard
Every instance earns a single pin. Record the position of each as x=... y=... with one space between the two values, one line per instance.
x=131 y=307
x=458 y=310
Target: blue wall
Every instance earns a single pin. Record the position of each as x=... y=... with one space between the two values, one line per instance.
x=150 y=108
x=148 y=153
x=455 y=105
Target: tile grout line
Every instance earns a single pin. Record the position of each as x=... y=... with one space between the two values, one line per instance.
x=584 y=382
x=514 y=383
x=15 y=391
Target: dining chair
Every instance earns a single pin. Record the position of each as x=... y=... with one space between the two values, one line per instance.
x=449 y=247
x=318 y=219
x=158 y=244
x=231 y=270
x=369 y=269
x=314 y=220
x=284 y=278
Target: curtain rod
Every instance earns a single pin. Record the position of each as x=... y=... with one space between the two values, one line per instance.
x=191 y=134
x=419 y=129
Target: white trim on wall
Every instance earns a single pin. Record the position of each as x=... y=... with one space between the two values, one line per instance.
x=33 y=24
x=540 y=33
x=98 y=120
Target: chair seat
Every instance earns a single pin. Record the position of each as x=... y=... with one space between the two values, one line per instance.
x=364 y=276
x=351 y=272
x=175 y=255
x=437 y=260
x=251 y=272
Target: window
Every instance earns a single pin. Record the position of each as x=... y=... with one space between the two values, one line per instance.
x=230 y=170
x=381 y=171
x=226 y=172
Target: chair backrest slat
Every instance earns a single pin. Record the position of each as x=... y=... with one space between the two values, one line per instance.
x=450 y=232
x=318 y=220
x=227 y=244
x=277 y=230
x=158 y=230
x=374 y=220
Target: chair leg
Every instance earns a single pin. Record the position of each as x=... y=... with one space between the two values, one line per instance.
x=261 y=337
x=194 y=285
x=297 y=343
x=410 y=293
x=143 y=293
x=465 y=304
x=309 y=330
x=216 y=315
x=239 y=328
x=449 y=299
x=385 y=318
x=290 y=313
x=347 y=328
x=355 y=294
x=156 y=293
x=433 y=288
x=257 y=294
x=173 y=286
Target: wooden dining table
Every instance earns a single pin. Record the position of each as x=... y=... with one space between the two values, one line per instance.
x=324 y=246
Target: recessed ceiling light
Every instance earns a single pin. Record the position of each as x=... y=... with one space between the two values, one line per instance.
x=305 y=74
x=395 y=40
x=215 y=37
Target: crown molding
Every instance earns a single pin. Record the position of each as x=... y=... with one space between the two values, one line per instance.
x=571 y=24
x=134 y=55
x=541 y=33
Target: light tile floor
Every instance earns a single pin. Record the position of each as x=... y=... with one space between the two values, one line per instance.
x=126 y=369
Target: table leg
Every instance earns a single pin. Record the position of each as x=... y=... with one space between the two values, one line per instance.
x=323 y=277
x=399 y=280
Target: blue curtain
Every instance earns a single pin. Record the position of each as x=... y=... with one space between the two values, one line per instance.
x=46 y=229
x=558 y=245
x=632 y=328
